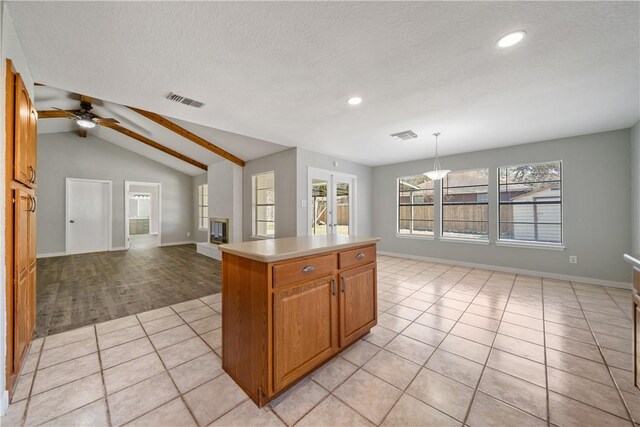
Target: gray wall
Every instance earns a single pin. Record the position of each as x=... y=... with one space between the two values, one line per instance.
x=283 y=164
x=198 y=235
x=596 y=207
x=635 y=188
x=364 y=205
x=65 y=155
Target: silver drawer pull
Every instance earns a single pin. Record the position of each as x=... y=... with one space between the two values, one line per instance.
x=308 y=268
x=360 y=256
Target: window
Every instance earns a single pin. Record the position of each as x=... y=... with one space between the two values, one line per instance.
x=264 y=205
x=530 y=204
x=203 y=206
x=465 y=204
x=415 y=205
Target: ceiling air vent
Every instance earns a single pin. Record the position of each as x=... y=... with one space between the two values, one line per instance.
x=186 y=101
x=404 y=136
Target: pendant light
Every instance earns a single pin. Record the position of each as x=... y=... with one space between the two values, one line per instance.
x=437 y=173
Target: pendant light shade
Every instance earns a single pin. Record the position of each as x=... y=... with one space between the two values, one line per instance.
x=437 y=172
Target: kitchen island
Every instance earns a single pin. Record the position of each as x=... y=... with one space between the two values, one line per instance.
x=289 y=305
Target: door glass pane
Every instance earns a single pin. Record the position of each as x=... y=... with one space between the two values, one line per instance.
x=319 y=189
x=342 y=208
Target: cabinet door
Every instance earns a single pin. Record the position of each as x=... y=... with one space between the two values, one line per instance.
x=22 y=169
x=303 y=329
x=32 y=145
x=636 y=339
x=24 y=276
x=358 y=303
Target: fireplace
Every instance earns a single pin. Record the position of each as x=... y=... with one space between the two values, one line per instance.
x=219 y=230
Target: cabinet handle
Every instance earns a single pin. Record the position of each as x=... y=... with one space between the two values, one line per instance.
x=360 y=255
x=35 y=175
x=334 y=287
x=308 y=269
x=35 y=204
x=32 y=174
x=344 y=284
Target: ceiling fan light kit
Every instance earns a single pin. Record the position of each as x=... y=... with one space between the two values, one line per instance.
x=437 y=173
x=86 y=123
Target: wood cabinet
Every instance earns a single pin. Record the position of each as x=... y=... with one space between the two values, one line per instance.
x=284 y=319
x=20 y=222
x=24 y=169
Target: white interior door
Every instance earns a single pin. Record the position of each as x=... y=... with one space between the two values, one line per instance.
x=88 y=216
x=331 y=203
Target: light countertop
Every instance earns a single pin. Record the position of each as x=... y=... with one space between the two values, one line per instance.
x=633 y=260
x=271 y=250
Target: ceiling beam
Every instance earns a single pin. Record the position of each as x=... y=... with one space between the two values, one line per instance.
x=189 y=135
x=54 y=114
x=152 y=143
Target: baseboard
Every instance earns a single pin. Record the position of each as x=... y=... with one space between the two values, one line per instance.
x=186 y=242
x=51 y=255
x=118 y=248
x=567 y=277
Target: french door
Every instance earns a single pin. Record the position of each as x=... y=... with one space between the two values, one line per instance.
x=331 y=203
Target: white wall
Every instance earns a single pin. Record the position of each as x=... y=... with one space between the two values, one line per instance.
x=364 y=200
x=225 y=195
x=62 y=155
x=635 y=189
x=596 y=207
x=9 y=48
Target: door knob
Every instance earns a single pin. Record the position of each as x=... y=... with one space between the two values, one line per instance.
x=71 y=221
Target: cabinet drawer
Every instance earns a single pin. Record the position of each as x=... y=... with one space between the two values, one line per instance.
x=636 y=279
x=304 y=269
x=358 y=256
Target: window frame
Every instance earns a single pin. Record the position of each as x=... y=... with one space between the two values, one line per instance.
x=428 y=236
x=203 y=202
x=531 y=243
x=478 y=240
x=255 y=205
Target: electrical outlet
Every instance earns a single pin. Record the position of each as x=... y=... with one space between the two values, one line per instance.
x=188 y=234
x=573 y=259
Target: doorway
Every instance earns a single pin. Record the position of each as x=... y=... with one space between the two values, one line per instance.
x=88 y=215
x=332 y=209
x=142 y=214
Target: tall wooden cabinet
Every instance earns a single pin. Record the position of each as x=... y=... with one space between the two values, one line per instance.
x=284 y=319
x=20 y=227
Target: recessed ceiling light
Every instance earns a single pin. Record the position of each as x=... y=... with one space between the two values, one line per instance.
x=511 y=39
x=355 y=100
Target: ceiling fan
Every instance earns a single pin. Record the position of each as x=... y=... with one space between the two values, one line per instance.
x=85 y=118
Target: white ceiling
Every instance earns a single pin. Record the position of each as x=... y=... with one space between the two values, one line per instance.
x=242 y=146
x=282 y=72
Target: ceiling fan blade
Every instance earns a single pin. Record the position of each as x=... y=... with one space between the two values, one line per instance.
x=70 y=114
x=124 y=120
x=106 y=120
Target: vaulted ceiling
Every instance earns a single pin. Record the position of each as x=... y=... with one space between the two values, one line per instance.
x=282 y=72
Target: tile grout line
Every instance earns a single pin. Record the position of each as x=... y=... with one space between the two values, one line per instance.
x=23 y=419
x=104 y=386
x=620 y=395
x=484 y=367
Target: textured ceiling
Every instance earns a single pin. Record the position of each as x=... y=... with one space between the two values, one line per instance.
x=282 y=72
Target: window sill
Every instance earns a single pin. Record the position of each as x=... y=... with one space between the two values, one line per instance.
x=262 y=237
x=414 y=236
x=520 y=244
x=203 y=228
x=461 y=240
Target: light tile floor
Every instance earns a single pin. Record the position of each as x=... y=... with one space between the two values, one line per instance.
x=453 y=346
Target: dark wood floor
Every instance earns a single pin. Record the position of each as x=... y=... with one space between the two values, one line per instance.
x=78 y=290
